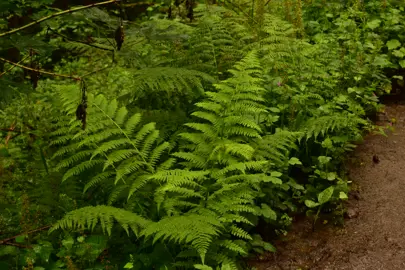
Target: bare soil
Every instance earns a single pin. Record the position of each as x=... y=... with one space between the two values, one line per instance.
x=374 y=235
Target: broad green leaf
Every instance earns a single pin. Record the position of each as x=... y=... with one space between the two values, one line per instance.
x=20 y=239
x=402 y=63
x=294 y=161
x=324 y=160
x=267 y=212
x=393 y=44
x=311 y=204
x=325 y=195
x=80 y=239
x=381 y=60
x=373 y=24
x=343 y=195
x=294 y=185
x=327 y=143
x=398 y=53
x=129 y=265
x=331 y=176
x=68 y=242
x=274 y=180
x=276 y=174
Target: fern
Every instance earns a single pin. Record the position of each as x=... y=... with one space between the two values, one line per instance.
x=220 y=179
x=165 y=83
x=117 y=143
x=105 y=216
x=332 y=123
x=195 y=230
x=212 y=47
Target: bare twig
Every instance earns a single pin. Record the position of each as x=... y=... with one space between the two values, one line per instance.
x=41 y=71
x=268 y=1
x=82 y=42
x=12 y=127
x=10 y=130
x=4 y=241
x=13 y=66
x=17 y=245
x=58 y=14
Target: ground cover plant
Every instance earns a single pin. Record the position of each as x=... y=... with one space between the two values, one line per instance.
x=165 y=134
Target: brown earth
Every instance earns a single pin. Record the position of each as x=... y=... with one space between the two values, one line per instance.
x=374 y=235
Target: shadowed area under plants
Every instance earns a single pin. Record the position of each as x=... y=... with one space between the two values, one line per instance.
x=373 y=235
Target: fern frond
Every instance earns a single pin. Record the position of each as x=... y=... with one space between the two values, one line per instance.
x=132 y=123
x=97 y=179
x=196 y=160
x=76 y=170
x=240 y=233
x=180 y=177
x=115 y=193
x=157 y=153
x=233 y=246
x=90 y=216
x=73 y=159
x=167 y=81
x=107 y=146
x=118 y=155
x=196 y=230
x=330 y=123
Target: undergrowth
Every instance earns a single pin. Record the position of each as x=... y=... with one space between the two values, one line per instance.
x=168 y=146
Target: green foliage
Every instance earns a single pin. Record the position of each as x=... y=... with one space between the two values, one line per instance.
x=209 y=120
x=88 y=217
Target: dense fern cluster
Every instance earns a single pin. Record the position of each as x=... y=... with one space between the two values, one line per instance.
x=210 y=120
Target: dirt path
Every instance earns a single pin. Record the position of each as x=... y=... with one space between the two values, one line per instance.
x=373 y=239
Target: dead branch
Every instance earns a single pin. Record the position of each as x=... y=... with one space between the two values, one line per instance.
x=17 y=245
x=13 y=66
x=58 y=14
x=41 y=71
x=4 y=241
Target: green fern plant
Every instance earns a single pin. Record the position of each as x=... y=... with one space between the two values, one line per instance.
x=114 y=151
x=220 y=178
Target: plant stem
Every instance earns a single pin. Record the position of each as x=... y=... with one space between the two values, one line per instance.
x=316 y=218
x=41 y=71
x=58 y=14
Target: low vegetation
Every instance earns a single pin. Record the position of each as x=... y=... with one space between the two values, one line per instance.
x=161 y=134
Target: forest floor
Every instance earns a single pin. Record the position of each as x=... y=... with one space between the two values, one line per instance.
x=373 y=237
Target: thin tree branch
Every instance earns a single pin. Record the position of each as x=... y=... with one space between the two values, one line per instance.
x=58 y=14
x=17 y=245
x=13 y=66
x=82 y=42
x=2 y=242
x=268 y=1
x=12 y=127
x=41 y=71
x=10 y=130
